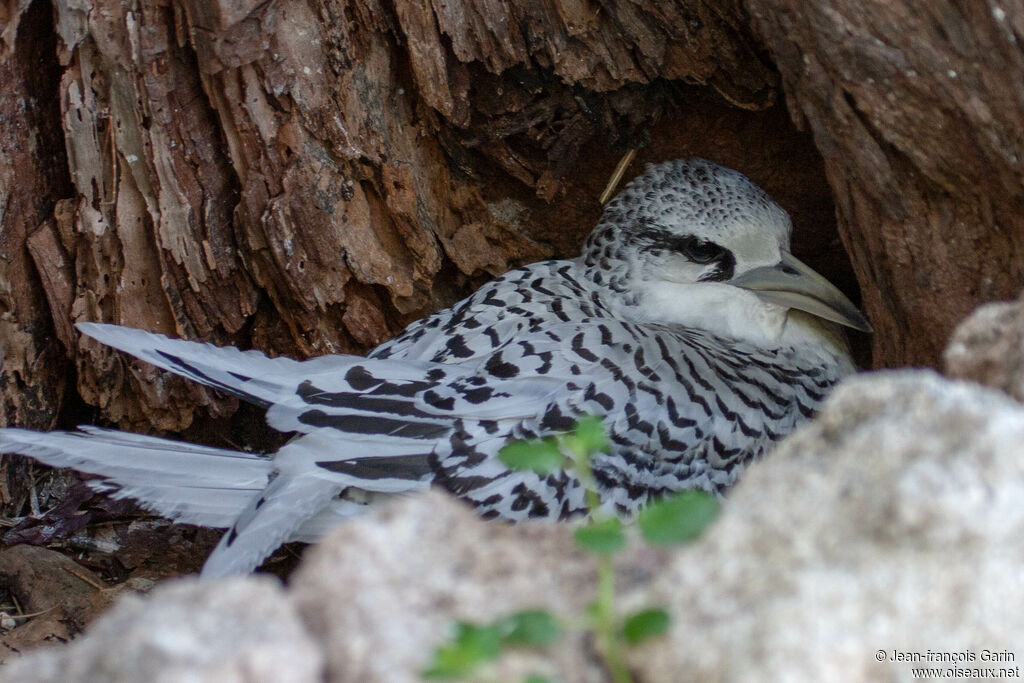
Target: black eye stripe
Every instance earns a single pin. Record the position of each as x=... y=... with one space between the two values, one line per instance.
x=724 y=269
x=698 y=251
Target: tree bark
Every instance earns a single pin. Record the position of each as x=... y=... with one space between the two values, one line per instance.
x=308 y=177
x=916 y=108
x=33 y=176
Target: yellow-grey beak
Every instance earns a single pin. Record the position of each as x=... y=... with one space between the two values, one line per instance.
x=793 y=284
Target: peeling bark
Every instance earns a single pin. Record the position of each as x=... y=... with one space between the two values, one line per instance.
x=308 y=177
x=33 y=175
x=916 y=108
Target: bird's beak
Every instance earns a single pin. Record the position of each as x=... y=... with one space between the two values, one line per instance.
x=793 y=284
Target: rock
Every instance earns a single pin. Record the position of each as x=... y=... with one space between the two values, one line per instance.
x=988 y=347
x=233 y=630
x=383 y=591
x=890 y=524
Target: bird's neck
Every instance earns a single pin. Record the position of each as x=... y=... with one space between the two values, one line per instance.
x=723 y=310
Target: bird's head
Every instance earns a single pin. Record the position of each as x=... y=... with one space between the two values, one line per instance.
x=693 y=243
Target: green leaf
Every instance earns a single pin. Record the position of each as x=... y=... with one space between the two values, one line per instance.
x=603 y=537
x=537 y=678
x=472 y=645
x=532 y=628
x=450 y=663
x=677 y=519
x=590 y=435
x=542 y=457
x=645 y=624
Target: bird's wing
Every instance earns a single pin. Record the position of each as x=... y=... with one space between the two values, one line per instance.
x=520 y=302
x=249 y=375
x=351 y=409
x=677 y=404
x=535 y=383
x=682 y=408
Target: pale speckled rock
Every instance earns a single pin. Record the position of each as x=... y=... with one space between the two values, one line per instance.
x=383 y=591
x=893 y=522
x=988 y=347
x=239 y=630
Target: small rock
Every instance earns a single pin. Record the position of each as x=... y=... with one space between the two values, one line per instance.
x=229 y=631
x=7 y=622
x=988 y=347
x=42 y=579
x=382 y=591
x=140 y=584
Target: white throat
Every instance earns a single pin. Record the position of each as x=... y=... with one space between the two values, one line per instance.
x=734 y=313
x=719 y=308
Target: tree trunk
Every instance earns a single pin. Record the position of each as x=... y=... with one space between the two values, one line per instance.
x=308 y=177
x=916 y=108
x=33 y=177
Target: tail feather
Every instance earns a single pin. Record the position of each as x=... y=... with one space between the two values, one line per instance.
x=186 y=482
x=367 y=424
x=210 y=507
x=273 y=517
x=246 y=374
x=338 y=511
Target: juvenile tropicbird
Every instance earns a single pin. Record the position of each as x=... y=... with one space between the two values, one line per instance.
x=686 y=323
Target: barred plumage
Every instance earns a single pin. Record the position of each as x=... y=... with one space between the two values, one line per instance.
x=683 y=324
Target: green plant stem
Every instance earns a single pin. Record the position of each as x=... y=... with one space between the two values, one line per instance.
x=604 y=610
x=605 y=618
x=581 y=463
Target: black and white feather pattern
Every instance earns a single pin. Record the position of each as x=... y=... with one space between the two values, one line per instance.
x=524 y=356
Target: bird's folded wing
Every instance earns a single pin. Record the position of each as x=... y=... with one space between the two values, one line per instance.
x=368 y=399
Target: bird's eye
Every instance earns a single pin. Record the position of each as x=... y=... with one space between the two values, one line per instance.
x=702 y=252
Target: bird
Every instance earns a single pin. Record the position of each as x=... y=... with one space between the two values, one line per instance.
x=685 y=324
